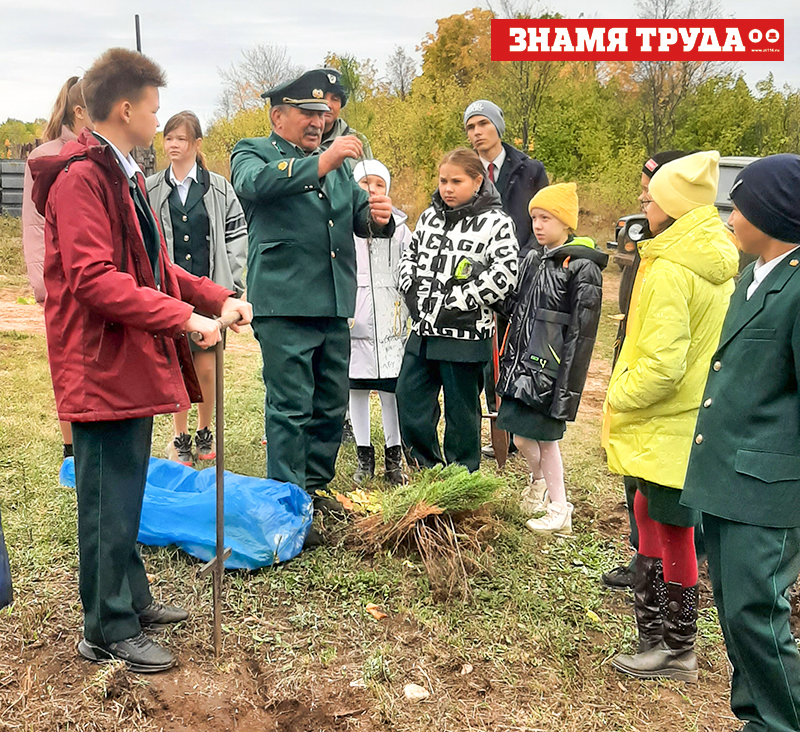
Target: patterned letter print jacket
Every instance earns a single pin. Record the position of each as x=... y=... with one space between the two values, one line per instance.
x=460 y=262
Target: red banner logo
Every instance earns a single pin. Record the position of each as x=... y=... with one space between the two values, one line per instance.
x=637 y=40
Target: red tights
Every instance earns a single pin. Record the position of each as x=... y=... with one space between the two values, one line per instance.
x=674 y=545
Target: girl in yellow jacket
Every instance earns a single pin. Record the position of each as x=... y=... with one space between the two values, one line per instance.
x=678 y=305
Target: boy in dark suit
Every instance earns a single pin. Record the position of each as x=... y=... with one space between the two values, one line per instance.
x=744 y=469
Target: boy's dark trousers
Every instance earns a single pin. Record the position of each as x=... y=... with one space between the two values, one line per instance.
x=418 y=386
x=111 y=460
x=751 y=570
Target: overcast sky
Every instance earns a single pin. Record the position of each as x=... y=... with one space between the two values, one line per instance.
x=42 y=42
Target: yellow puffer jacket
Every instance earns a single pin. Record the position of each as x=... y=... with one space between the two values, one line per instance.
x=684 y=283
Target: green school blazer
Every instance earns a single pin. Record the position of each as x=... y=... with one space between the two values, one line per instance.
x=745 y=460
x=301 y=258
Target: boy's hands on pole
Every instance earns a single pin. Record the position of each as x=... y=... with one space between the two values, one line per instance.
x=207 y=328
x=235 y=305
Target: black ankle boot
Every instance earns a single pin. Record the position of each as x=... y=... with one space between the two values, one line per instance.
x=366 y=464
x=393 y=465
x=647 y=583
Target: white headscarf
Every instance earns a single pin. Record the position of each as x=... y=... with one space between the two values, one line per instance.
x=373 y=167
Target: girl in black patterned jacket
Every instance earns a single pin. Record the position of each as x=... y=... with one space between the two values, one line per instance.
x=461 y=261
x=555 y=313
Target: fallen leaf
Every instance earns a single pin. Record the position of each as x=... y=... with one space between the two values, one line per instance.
x=345 y=501
x=415 y=692
x=593 y=616
x=375 y=611
x=466 y=669
x=358 y=684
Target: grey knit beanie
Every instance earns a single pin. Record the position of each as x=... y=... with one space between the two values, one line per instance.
x=489 y=110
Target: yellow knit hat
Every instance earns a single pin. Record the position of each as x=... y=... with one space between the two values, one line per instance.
x=561 y=200
x=686 y=183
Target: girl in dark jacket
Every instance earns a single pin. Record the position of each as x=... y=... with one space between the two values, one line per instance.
x=554 y=316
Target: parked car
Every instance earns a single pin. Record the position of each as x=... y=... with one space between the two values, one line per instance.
x=632 y=229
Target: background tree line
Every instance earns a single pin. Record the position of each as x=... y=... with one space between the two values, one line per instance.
x=594 y=123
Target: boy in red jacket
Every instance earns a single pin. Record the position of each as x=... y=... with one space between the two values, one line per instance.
x=117 y=314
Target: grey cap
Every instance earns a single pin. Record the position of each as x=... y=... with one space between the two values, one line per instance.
x=487 y=109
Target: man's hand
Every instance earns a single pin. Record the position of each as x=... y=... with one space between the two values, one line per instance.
x=206 y=327
x=347 y=146
x=380 y=208
x=245 y=310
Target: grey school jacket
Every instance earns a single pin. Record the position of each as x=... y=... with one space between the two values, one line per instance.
x=228 y=229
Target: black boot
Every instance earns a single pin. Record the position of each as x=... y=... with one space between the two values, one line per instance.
x=393 y=465
x=673 y=657
x=366 y=464
x=647 y=583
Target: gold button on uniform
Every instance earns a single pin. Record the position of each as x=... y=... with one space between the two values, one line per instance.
x=330 y=223
x=188 y=256
x=333 y=254
x=717 y=365
x=707 y=403
x=184 y=217
x=698 y=439
x=186 y=237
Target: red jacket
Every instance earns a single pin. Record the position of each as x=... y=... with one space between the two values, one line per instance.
x=115 y=343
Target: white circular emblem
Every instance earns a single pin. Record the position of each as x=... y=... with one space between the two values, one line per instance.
x=331 y=78
x=773 y=36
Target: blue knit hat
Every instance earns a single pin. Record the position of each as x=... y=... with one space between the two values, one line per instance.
x=489 y=110
x=767 y=192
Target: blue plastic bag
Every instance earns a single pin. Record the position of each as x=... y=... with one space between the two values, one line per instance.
x=6 y=591
x=265 y=521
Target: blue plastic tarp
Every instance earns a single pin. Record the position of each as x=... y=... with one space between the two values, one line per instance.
x=265 y=521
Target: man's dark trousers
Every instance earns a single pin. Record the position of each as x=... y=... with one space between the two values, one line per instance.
x=418 y=386
x=111 y=460
x=305 y=373
x=751 y=570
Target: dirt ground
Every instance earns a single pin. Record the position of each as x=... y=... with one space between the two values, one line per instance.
x=48 y=687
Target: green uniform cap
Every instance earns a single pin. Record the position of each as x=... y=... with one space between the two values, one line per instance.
x=306 y=92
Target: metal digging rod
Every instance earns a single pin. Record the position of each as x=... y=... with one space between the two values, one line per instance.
x=216 y=567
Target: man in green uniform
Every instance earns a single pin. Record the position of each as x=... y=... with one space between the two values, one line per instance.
x=744 y=468
x=302 y=208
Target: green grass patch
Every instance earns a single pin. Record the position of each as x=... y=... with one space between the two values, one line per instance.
x=537 y=633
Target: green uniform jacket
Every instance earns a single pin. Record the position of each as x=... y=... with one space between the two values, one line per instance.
x=301 y=259
x=745 y=460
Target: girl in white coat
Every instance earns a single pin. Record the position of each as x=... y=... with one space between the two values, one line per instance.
x=378 y=333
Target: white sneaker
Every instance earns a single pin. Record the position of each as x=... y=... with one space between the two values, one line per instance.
x=534 y=497
x=557 y=520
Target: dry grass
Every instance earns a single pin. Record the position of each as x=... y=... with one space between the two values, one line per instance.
x=300 y=652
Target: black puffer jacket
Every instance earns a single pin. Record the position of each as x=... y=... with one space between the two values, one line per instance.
x=554 y=316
